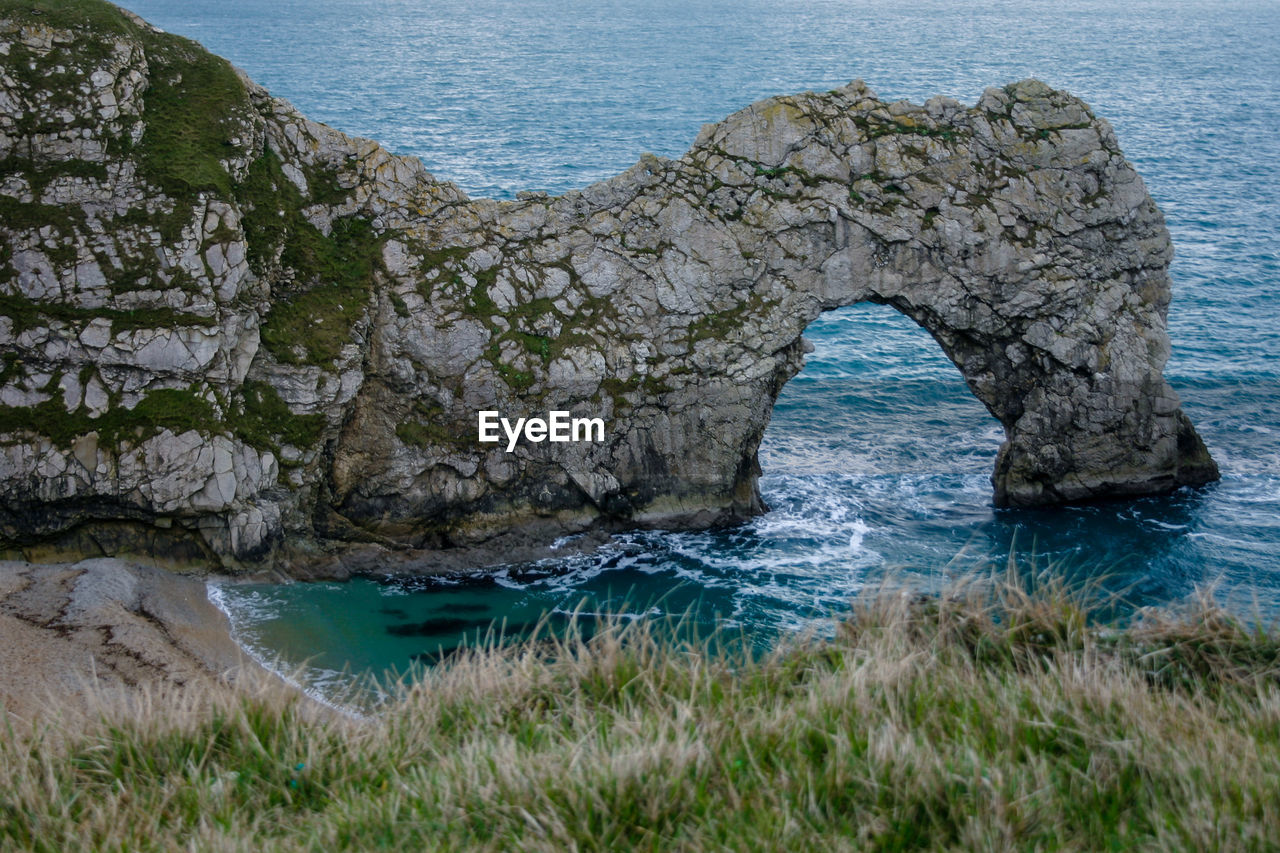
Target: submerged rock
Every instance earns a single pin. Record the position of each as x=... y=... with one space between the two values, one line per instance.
x=235 y=336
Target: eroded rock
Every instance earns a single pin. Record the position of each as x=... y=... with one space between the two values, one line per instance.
x=275 y=345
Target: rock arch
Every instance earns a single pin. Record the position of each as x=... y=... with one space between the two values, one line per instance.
x=1014 y=232
x=271 y=342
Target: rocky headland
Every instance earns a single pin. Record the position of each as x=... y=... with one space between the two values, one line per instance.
x=233 y=337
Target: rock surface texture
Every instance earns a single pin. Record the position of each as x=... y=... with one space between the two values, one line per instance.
x=235 y=336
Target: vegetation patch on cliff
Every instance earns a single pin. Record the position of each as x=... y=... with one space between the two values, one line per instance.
x=263 y=420
x=427 y=426
x=172 y=409
x=331 y=276
x=194 y=103
x=92 y=15
x=29 y=314
x=312 y=326
x=195 y=110
x=32 y=216
x=257 y=416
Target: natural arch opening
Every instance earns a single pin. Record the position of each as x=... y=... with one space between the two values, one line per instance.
x=879 y=424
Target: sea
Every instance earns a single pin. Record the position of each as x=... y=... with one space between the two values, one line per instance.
x=877 y=460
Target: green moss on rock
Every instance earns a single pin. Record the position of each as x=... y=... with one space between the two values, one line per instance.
x=332 y=277
x=265 y=421
x=336 y=273
x=40 y=174
x=92 y=15
x=258 y=417
x=17 y=215
x=28 y=314
x=427 y=427
x=173 y=409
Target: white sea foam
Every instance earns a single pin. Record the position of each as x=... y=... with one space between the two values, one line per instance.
x=317 y=683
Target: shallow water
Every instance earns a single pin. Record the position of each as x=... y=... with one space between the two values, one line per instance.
x=877 y=460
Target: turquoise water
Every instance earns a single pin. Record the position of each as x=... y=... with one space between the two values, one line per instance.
x=877 y=460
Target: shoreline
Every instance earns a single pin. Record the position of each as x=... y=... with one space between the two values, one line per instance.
x=107 y=626
x=345 y=701
x=74 y=631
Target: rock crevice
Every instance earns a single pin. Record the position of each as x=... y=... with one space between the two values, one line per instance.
x=236 y=336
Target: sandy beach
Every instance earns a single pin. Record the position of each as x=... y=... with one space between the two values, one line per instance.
x=104 y=626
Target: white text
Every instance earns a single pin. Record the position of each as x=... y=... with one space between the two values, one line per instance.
x=557 y=426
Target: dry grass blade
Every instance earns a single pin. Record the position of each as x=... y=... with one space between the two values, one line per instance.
x=992 y=716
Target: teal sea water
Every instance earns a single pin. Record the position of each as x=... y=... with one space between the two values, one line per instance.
x=877 y=460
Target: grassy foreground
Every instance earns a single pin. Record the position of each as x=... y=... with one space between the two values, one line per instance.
x=985 y=719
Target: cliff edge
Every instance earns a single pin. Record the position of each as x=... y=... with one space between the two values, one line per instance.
x=235 y=337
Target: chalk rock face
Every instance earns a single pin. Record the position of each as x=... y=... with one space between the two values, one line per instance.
x=232 y=335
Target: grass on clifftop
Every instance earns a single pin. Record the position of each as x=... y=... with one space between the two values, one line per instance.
x=988 y=719
x=93 y=15
x=194 y=101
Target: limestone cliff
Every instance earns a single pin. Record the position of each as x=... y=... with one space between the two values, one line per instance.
x=234 y=336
